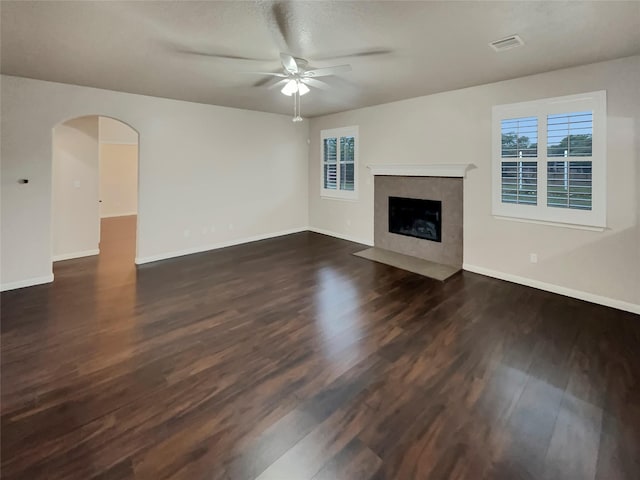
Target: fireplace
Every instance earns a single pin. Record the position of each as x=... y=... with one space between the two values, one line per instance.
x=415 y=217
x=433 y=183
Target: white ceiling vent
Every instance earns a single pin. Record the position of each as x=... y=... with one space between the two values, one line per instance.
x=506 y=43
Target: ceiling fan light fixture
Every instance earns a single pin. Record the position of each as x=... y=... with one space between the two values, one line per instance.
x=290 y=88
x=302 y=88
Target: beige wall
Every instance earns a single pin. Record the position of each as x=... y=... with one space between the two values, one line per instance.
x=198 y=171
x=76 y=228
x=209 y=175
x=114 y=131
x=118 y=179
x=455 y=127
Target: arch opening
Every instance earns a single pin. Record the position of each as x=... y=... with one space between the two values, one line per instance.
x=95 y=190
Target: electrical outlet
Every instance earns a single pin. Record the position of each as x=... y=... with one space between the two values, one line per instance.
x=533 y=257
x=186 y=233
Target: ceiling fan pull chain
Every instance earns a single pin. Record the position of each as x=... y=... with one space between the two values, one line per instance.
x=296 y=107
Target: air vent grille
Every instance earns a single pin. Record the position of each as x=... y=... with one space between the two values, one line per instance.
x=506 y=43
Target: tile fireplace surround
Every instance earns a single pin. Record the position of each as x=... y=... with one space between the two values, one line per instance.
x=430 y=182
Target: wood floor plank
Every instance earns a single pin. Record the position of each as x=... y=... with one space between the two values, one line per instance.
x=271 y=444
x=292 y=359
x=354 y=462
x=305 y=459
x=573 y=449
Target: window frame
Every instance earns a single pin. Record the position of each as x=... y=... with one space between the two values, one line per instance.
x=595 y=102
x=337 y=133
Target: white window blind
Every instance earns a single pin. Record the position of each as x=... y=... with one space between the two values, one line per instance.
x=330 y=158
x=570 y=134
x=519 y=179
x=519 y=137
x=550 y=160
x=520 y=182
x=347 y=163
x=339 y=162
x=569 y=183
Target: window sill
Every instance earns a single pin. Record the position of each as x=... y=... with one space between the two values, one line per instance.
x=551 y=224
x=339 y=198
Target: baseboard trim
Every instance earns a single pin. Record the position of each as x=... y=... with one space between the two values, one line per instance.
x=216 y=246
x=69 y=256
x=128 y=214
x=550 y=287
x=30 y=282
x=341 y=236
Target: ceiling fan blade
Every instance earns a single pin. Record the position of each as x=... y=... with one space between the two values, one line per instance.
x=279 y=18
x=220 y=55
x=363 y=53
x=272 y=74
x=312 y=82
x=323 y=72
x=264 y=81
x=289 y=63
x=278 y=84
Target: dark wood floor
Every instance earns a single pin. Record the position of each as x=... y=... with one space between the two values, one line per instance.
x=292 y=359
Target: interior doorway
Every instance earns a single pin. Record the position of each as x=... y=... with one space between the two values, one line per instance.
x=95 y=189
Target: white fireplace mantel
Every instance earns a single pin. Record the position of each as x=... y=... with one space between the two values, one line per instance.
x=431 y=170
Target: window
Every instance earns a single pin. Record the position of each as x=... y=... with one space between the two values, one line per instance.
x=549 y=160
x=339 y=162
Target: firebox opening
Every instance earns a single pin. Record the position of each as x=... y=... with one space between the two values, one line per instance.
x=416 y=218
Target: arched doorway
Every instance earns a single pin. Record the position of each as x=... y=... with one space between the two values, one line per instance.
x=94 y=189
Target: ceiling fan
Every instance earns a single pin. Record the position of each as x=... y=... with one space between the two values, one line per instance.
x=282 y=18
x=296 y=79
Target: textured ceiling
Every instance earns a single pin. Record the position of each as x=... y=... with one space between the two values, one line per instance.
x=402 y=49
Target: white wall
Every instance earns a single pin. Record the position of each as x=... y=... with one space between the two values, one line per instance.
x=118 y=179
x=455 y=127
x=75 y=208
x=201 y=166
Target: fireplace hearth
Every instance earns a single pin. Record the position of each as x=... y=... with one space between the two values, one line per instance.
x=415 y=217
